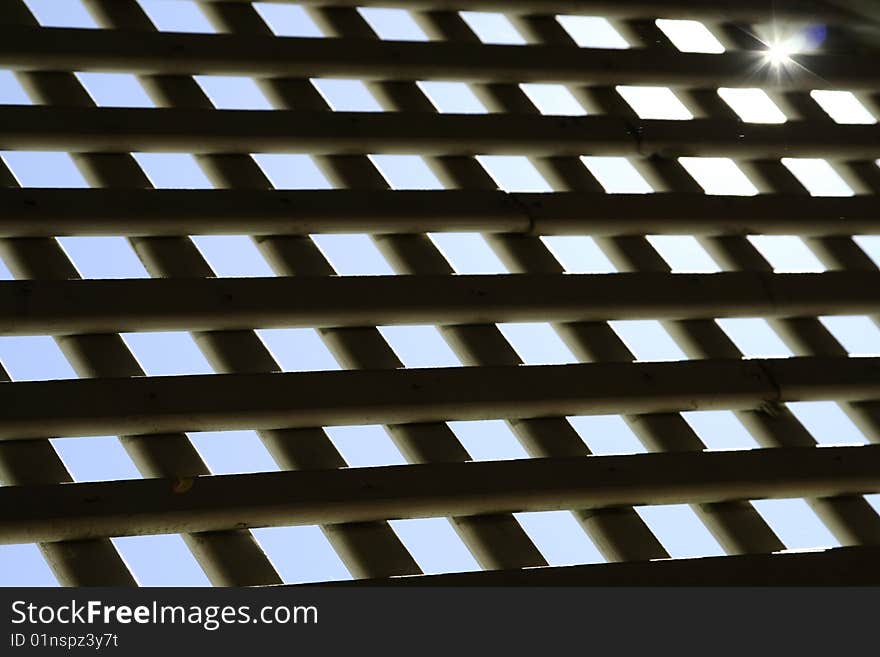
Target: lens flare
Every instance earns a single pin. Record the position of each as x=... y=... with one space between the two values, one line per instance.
x=778 y=54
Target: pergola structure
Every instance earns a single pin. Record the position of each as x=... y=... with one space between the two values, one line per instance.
x=73 y=522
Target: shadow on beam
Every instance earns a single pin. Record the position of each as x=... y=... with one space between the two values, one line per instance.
x=849 y=566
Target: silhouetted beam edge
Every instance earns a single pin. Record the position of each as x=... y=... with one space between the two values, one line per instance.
x=198 y=131
x=148 y=405
x=169 y=53
x=64 y=307
x=844 y=566
x=210 y=503
x=33 y=212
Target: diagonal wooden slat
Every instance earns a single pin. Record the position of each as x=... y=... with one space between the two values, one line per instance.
x=210 y=304
x=33 y=212
x=332 y=133
x=158 y=53
x=140 y=405
x=149 y=506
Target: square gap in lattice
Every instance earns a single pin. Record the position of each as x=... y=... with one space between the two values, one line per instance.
x=654 y=102
x=797 y=526
x=167 y=353
x=859 y=335
x=559 y=538
x=179 y=16
x=718 y=176
x=11 y=91
x=232 y=452
x=592 y=32
x=353 y=254
x=488 y=440
x=52 y=13
x=680 y=531
x=787 y=253
x=684 y=254
x=492 y=27
x=364 y=446
x=468 y=253
x=827 y=422
x=617 y=175
x=843 y=107
x=406 y=171
x=5 y=274
x=817 y=176
x=301 y=554
x=173 y=170
x=435 y=545
x=43 y=169
x=552 y=99
x=752 y=105
x=393 y=24
x=452 y=97
x=24 y=565
x=419 y=346
x=103 y=257
x=160 y=560
x=95 y=458
x=287 y=20
x=514 y=173
x=754 y=337
x=536 y=343
x=291 y=171
x=578 y=254
x=606 y=435
x=720 y=430
x=647 y=340
x=689 y=36
x=33 y=358
x=870 y=244
x=115 y=89
x=298 y=349
x=234 y=92
x=347 y=95
x=233 y=256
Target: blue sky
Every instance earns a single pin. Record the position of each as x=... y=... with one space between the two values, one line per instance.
x=302 y=553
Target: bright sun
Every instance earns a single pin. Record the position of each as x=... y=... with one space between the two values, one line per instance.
x=778 y=54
